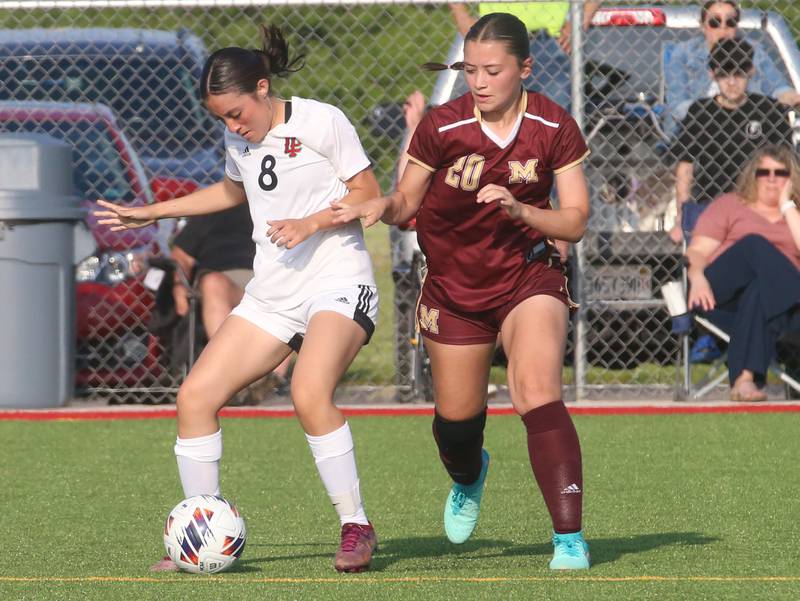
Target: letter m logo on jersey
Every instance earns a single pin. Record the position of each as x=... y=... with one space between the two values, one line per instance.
x=292 y=146
x=523 y=173
x=429 y=319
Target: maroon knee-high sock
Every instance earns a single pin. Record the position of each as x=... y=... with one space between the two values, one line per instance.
x=555 y=455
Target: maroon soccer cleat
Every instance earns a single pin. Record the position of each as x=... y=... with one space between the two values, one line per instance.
x=355 y=550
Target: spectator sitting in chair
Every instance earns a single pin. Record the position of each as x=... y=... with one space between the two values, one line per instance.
x=686 y=76
x=719 y=134
x=744 y=266
x=216 y=253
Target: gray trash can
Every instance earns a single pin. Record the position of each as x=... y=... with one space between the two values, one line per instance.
x=38 y=211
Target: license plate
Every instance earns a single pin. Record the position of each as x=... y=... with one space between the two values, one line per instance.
x=619 y=282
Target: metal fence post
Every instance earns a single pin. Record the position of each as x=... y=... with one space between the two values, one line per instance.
x=576 y=78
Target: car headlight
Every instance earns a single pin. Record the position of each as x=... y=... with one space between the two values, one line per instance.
x=112 y=267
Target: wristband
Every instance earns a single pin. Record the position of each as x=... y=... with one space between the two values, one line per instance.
x=786 y=205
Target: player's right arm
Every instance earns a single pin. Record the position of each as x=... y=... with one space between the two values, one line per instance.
x=399 y=207
x=217 y=197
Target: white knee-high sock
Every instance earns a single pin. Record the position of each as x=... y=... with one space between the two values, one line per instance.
x=336 y=463
x=198 y=463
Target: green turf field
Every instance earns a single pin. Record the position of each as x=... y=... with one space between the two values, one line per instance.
x=677 y=507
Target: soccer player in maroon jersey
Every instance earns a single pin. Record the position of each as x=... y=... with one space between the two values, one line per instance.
x=480 y=172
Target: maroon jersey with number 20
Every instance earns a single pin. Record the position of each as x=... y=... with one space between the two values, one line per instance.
x=477 y=255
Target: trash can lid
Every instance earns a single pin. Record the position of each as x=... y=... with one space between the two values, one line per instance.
x=36 y=179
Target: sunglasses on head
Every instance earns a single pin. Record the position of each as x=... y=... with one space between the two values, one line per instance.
x=772 y=172
x=716 y=22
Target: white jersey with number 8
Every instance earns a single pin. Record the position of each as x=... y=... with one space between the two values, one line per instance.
x=297 y=170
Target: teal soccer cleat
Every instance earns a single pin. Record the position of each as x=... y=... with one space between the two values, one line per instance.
x=571 y=552
x=463 y=506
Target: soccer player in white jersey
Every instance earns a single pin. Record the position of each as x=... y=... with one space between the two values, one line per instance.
x=313 y=290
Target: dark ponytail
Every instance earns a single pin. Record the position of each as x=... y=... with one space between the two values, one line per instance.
x=494 y=27
x=459 y=66
x=276 y=52
x=239 y=70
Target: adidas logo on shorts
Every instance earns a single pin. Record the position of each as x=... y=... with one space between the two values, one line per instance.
x=342 y=299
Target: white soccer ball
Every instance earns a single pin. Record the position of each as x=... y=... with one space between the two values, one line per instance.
x=204 y=534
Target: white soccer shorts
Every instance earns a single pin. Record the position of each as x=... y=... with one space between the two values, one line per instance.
x=359 y=303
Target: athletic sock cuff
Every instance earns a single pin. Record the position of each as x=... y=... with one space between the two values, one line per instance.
x=333 y=444
x=551 y=416
x=202 y=448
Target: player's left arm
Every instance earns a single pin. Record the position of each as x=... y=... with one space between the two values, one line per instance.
x=568 y=222
x=291 y=232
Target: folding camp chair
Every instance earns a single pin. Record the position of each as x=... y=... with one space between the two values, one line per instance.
x=183 y=338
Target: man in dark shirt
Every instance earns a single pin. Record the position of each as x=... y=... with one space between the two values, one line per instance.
x=719 y=134
x=216 y=252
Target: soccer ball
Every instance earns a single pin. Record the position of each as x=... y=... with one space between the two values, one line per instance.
x=204 y=534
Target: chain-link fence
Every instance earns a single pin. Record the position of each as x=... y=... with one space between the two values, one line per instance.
x=118 y=80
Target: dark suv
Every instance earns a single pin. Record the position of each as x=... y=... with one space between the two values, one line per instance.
x=149 y=78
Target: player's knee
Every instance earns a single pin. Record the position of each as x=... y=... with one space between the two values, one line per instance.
x=533 y=390
x=214 y=285
x=450 y=434
x=194 y=399
x=306 y=396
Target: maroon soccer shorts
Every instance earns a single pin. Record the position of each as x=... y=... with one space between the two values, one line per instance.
x=448 y=325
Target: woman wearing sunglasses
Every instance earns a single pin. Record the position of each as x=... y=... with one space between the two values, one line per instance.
x=744 y=266
x=686 y=75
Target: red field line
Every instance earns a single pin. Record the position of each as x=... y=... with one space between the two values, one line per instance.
x=68 y=414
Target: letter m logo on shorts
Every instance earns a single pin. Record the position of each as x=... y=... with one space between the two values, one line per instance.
x=523 y=173
x=292 y=146
x=429 y=319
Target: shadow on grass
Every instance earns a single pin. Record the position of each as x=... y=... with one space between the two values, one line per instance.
x=393 y=550
x=603 y=550
x=397 y=549
x=250 y=562
x=606 y=550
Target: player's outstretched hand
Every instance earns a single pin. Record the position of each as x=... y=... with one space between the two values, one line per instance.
x=369 y=212
x=289 y=232
x=124 y=218
x=493 y=192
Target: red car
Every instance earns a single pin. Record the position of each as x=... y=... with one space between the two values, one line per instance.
x=114 y=347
